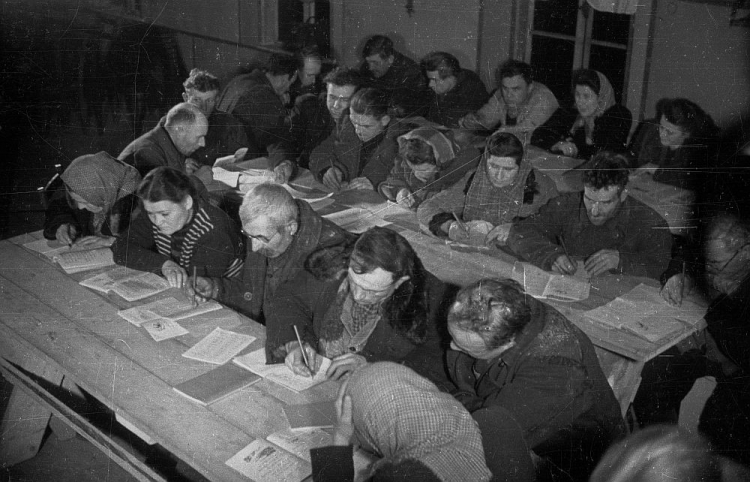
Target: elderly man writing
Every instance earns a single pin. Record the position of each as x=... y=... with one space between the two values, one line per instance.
x=601 y=225
x=281 y=232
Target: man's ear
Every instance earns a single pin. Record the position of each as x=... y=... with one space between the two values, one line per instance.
x=185 y=97
x=292 y=228
x=385 y=120
x=624 y=194
x=187 y=203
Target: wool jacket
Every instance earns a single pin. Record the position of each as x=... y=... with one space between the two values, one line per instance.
x=153 y=149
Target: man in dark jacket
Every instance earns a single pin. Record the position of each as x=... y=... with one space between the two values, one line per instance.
x=387 y=69
x=281 y=233
x=601 y=225
x=457 y=91
x=169 y=144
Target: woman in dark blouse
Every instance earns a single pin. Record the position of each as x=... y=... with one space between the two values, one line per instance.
x=595 y=123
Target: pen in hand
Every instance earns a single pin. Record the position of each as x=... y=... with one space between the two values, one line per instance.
x=460 y=223
x=561 y=240
x=304 y=353
x=195 y=275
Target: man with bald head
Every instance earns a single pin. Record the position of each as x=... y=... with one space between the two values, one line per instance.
x=170 y=144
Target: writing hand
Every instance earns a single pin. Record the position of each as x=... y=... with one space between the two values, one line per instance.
x=332 y=179
x=191 y=166
x=563 y=265
x=283 y=172
x=174 y=273
x=344 y=364
x=459 y=233
x=296 y=362
x=405 y=198
x=344 y=429
x=602 y=261
x=566 y=148
x=675 y=287
x=95 y=242
x=66 y=233
x=498 y=234
x=205 y=289
x=360 y=183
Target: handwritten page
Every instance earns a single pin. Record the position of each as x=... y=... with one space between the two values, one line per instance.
x=644 y=312
x=545 y=285
x=164 y=329
x=279 y=373
x=356 y=220
x=219 y=346
x=131 y=284
x=75 y=261
x=261 y=460
x=166 y=309
x=299 y=441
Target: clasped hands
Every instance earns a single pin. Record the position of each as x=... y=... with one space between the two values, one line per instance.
x=340 y=365
x=333 y=179
x=477 y=233
x=596 y=264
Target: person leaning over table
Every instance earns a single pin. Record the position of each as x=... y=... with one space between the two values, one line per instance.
x=610 y=230
x=418 y=432
x=94 y=202
x=504 y=188
x=518 y=106
x=677 y=146
x=281 y=232
x=596 y=123
x=512 y=351
x=177 y=232
x=427 y=162
x=370 y=301
x=364 y=153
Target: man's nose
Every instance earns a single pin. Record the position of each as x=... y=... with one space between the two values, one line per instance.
x=255 y=245
x=595 y=209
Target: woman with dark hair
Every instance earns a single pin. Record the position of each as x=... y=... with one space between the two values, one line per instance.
x=368 y=302
x=511 y=351
x=595 y=124
x=677 y=146
x=364 y=155
x=481 y=208
x=93 y=203
x=178 y=233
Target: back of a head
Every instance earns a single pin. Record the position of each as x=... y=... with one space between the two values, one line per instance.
x=386 y=249
x=512 y=68
x=202 y=81
x=496 y=309
x=166 y=184
x=378 y=45
x=504 y=144
x=270 y=200
x=281 y=64
x=370 y=102
x=445 y=64
x=183 y=114
x=607 y=169
x=732 y=231
x=656 y=454
x=341 y=77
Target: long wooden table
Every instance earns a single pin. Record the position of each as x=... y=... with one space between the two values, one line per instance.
x=54 y=330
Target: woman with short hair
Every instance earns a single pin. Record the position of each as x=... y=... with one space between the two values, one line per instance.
x=178 y=233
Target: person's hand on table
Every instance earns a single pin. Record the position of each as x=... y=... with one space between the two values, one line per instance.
x=344 y=429
x=344 y=365
x=361 y=183
x=296 y=362
x=66 y=233
x=563 y=265
x=283 y=172
x=205 y=289
x=675 y=288
x=405 y=198
x=474 y=234
x=239 y=154
x=602 y=261
x=566 y=148
x=91 y=242
x=174 y=273
x=191 y=166
x=498 y=235
x=333 y=179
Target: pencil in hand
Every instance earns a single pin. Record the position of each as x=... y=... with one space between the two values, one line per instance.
x=304 y=353
x=195 y=275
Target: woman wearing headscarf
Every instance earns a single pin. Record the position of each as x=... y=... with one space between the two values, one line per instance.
x=419 y=432
x=596 y=123
x=94 y=202
x=178 y=233
x=481 y=208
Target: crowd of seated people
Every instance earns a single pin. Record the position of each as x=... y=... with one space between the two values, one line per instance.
x=442 y=382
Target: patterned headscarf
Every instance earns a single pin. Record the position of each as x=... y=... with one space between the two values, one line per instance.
x=402 y=416
x=606 y=99
x=442 y=147
x=496 y=205
x=101 y=180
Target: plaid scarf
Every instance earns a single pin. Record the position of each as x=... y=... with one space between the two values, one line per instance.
x=496 y=205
